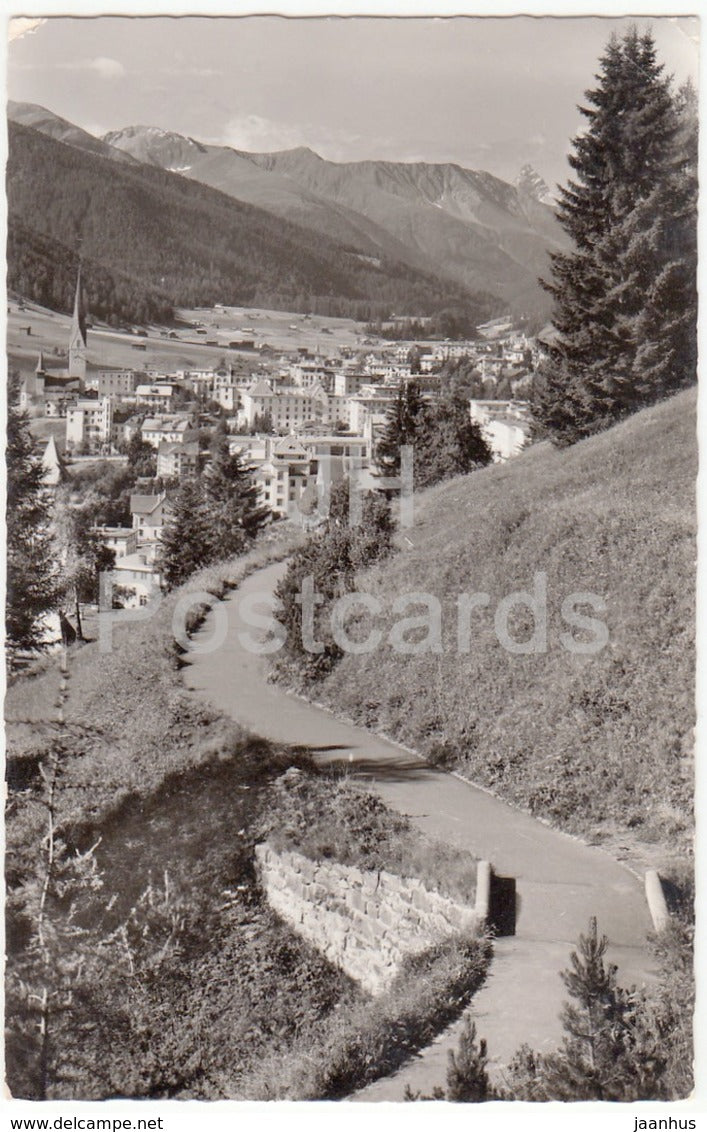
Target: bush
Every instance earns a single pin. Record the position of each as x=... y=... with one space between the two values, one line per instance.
x=621 y=1045
x=328 y=562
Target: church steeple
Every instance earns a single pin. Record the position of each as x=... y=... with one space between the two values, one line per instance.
x=77 y=336
x=78 y=321
x=40 y=363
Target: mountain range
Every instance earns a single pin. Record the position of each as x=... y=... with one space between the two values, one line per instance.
x=419 y=220
x=468 y=225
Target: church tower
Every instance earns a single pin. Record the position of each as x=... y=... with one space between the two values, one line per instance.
x=77 y=337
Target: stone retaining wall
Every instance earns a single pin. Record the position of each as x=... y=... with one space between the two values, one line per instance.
x=364 y=922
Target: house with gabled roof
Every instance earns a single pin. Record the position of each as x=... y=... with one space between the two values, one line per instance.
x=149 y=515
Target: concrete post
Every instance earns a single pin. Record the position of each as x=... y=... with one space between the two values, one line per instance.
x=483 y=890
x=656 y=901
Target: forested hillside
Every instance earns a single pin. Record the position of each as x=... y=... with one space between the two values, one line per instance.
x=159 y=238
x=44 y=270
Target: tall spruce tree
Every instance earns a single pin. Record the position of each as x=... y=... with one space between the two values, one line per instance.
x=31 y=572
x=404 y=425
x=661 y=249
x=187 y=543
x=231 y=497
x=630 y=198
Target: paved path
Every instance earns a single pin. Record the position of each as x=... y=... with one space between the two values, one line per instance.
x=560 y=881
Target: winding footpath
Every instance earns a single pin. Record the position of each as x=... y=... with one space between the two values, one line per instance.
x=560 y=881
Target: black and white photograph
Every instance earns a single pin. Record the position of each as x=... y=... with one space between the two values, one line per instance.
x=351 y=460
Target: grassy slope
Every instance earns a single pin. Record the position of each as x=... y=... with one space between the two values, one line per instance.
x=598 y=744
x=130 y=721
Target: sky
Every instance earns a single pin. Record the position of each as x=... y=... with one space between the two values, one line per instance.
x=487 y=93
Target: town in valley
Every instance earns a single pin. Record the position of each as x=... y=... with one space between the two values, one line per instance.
x=304 y=400
x=350 y=628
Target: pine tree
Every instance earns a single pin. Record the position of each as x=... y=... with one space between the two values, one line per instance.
x=187 y=542
x=597 y=1059
x=232 y=501
x=31 y=574
x=214 y=517
x=142 y=457
x=467 y=1077
x=404 y=425
x=616 y=213
x=450 y=443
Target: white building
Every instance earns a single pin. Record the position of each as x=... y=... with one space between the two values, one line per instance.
x=227 y=396
x=115 y=383
x=138 y=579
x=288 y=407
x=173 y=429
x=368 y=412
x=88 y=421
x=388 y=369
x=286 y=469
x=121 y=540
x=504 y=424
x=307 y=375
x=175 y=460
x=282 y=481
x=149 y=513
x=348 y=383
x=154 y=396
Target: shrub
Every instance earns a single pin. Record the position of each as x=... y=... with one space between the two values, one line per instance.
x=621 y=1045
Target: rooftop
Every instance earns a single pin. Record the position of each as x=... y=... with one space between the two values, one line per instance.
x=145 y=504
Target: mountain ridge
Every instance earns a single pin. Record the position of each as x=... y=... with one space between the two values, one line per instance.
x=173 y=240
x=466 y=224
x=45 y=121
x=463 y=225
